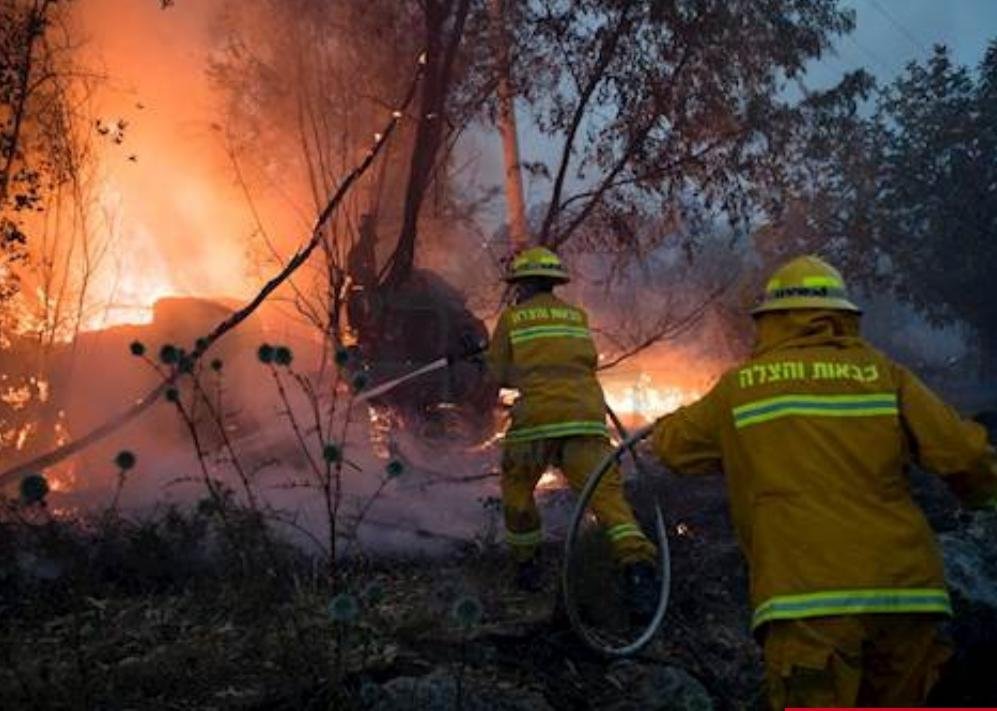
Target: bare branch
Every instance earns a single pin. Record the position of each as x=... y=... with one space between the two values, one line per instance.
x=667 y=328
x=606 y=54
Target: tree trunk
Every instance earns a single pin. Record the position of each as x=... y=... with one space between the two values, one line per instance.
x=440 y=55
x=515 y=205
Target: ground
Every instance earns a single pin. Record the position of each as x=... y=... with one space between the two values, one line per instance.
x=168 y=615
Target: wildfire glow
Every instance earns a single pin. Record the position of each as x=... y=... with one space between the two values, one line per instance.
x=132 y=292
x=641 y=399
x=137 y=275
x=64 y=478
x=549 y=480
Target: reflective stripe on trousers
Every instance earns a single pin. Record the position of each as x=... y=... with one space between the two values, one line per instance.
x=528 y=538
x=624 y=530
x=853 y=602
x=524 y=463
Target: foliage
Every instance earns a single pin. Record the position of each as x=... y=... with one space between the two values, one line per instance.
x=47 y=155
x=665 y=108
x=23 y=171
x=53 y=238
x=905 y=199
x=938 y=205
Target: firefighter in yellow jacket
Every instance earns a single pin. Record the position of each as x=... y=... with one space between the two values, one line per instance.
x=814 y=434
x=542 y=347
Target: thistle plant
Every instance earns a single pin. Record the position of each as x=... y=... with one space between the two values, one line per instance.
x=394 y=469
x=265 y=353
x=169 y=354
x=344 y=611
x=174 y=362
x=34 y=488
x=283 y=355
x=374 y=594
x=466 y=613
x=125 y=462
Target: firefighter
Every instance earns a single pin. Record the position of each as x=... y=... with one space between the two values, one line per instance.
x=542 y=347
x=815 y=433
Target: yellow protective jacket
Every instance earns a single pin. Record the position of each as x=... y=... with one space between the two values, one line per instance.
x=814 y=435
x=543 y=348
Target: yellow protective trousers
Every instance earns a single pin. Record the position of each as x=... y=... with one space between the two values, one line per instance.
x=523 y=463
x=861 y=660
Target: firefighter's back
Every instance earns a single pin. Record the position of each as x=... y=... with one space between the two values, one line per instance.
x=816 y=454
x=552 y=363
x=815 y=433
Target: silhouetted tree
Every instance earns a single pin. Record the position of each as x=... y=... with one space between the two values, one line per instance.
x=906 y=198
x=665 y=108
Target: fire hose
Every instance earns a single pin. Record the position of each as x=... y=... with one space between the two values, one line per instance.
x=630 y=441
x=469 y=352
x=590 y=637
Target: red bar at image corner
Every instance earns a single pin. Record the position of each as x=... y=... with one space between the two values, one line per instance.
x=893 y=708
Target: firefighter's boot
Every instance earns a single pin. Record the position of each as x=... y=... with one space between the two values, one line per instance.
x=529 y=575
x=640 y=588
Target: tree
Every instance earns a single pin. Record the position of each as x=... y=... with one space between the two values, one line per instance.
x=305 y=80
x=23 y=74
x=319 y=66
x=47 y=154
x=674 y=108
x=938 y=206
x=50 y=244
x=906 y=198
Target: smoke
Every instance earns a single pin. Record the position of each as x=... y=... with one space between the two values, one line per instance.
x=419 y=508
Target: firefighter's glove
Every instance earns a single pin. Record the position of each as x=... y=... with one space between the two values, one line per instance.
x=645 y=447
x=469 y=349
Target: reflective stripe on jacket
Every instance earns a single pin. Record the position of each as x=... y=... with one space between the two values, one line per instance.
x=543 y=348
x=814 y=435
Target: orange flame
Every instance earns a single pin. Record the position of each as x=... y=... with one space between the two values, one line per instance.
x=643 y=400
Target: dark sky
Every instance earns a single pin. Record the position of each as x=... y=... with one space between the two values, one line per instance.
x=891 y=33
x=888 y=35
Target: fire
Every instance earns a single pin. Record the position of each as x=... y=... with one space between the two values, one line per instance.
x=641 y=399
x=382 y=422
x=63 y=478
x=550 y=480
x=139 y=279
x=136 y=276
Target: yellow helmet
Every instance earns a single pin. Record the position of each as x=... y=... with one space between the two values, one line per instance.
x=806 y=283
x=537 y=262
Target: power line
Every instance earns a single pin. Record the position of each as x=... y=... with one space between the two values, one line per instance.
x=902 y=28
x=883 y=64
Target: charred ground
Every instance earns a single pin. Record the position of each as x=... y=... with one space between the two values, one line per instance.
x=168 y=612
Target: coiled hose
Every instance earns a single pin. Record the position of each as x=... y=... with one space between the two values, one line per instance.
x=589 y=636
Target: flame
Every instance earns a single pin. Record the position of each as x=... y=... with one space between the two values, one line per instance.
x=550 y=480
x=382 y=422
x=15 y=396
x=139 y=280
x=126 y=287
x=644 y=400
x=63 y=478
